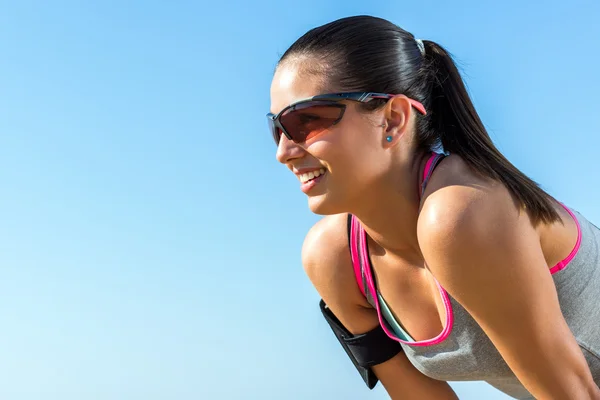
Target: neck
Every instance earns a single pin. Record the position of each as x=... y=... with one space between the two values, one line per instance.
x=390 y=214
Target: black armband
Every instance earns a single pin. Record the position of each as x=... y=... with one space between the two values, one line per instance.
x=365 y=350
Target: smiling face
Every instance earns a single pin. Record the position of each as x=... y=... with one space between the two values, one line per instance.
x=339 y=164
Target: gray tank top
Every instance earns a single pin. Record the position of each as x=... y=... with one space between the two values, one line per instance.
x=462 y=351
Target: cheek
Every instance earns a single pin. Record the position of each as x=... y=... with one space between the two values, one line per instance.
x=359 y=151
x=351 y=154
x=355 y=167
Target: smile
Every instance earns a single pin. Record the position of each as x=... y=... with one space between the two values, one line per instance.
x=311 y=175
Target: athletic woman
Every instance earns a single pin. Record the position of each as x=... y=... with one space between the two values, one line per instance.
x=437 y=260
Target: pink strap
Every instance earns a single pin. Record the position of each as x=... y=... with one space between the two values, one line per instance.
x=563 y=264
x=355 y=230
x=428 y=171
x=362 y=269
x=428 y=166
x=360 y=259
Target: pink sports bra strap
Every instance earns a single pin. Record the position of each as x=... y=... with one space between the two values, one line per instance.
x=432 y=162
x=360 y=258
x=354 y=233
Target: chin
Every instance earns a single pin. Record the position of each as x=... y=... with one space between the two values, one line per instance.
x=324 y=205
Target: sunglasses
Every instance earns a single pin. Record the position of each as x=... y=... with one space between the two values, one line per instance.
x=308 y=118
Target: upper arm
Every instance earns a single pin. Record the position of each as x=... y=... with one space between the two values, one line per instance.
x=327 y=262
x=485 y=252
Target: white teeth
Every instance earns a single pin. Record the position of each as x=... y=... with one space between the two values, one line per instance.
x=311 y=175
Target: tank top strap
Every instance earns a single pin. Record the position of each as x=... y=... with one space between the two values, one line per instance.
x=360 y=258
x=432 y=162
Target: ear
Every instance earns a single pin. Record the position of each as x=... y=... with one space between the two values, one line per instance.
x=398 y=111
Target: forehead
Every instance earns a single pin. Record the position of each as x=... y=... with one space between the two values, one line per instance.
x=291 y=84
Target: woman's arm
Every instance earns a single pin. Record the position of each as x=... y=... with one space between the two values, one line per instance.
x=487 y=255
x=327 y=262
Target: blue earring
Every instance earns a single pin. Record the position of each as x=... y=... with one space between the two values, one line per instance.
x=388 y=138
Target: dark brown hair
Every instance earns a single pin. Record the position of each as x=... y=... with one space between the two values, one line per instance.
x=371 y=54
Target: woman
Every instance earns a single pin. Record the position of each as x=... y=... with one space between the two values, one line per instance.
x=437 y=259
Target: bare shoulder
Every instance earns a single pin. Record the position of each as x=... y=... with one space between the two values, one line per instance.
x=327 y=262
x=458 y=197
x=326 y=239
x=470 y=225
x=463 y=212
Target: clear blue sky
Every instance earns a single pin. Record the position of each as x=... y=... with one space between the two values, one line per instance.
x=149 y=241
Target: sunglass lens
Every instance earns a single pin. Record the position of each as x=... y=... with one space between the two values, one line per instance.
x=307 y=121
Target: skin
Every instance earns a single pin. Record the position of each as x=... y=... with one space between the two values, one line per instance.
x=467 y=232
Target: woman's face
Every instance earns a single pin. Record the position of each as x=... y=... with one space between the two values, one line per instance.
x=339 y=164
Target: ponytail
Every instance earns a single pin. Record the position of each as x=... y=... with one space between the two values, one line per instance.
x=455 y=123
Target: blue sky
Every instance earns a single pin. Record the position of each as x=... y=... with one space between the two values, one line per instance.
x=150 y=243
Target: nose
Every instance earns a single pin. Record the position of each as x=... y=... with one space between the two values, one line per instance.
x=288 y=150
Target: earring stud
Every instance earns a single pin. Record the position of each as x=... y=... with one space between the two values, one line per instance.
x=388 y=138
